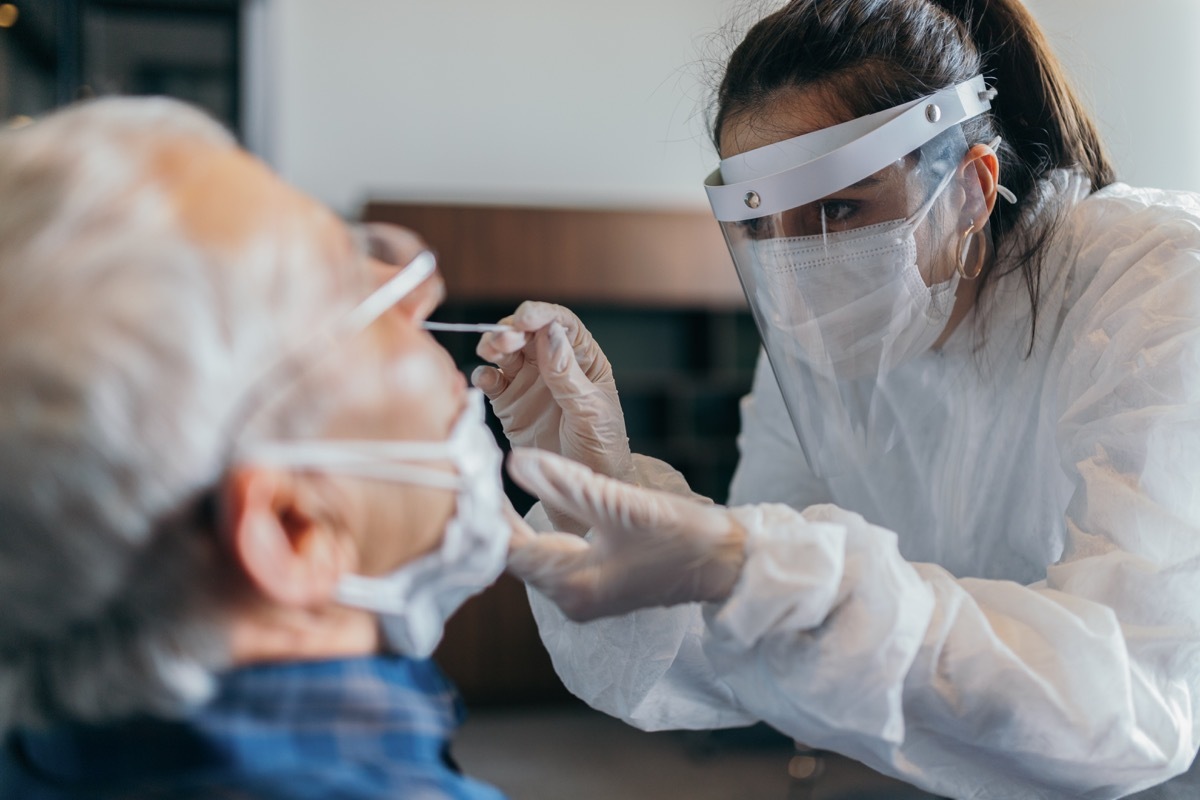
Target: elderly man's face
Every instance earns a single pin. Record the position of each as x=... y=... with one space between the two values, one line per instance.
x=393 y=382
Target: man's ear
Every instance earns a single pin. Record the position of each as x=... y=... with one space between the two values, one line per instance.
x=982 y=163
x=291 y=551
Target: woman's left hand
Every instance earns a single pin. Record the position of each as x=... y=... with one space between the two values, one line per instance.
x=646 y=548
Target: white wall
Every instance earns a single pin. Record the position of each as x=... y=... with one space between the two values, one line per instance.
x=521 y=101
x=563 y=102
x=1138 y=67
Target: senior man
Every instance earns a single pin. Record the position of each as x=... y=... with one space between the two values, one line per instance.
x=240 y=488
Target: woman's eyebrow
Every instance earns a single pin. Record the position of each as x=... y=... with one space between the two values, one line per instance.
x=870 y=180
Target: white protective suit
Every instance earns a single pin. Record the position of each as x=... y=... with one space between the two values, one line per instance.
x=1009 y=608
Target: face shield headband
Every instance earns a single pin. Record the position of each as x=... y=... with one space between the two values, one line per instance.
x=792 y=173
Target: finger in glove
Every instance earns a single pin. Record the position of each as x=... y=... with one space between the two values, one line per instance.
x=595 y=499
x=503 y=348
x=489 y=380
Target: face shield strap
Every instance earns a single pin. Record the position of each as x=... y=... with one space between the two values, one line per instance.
x=828 y=160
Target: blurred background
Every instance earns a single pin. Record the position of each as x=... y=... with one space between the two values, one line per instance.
x=554 y=151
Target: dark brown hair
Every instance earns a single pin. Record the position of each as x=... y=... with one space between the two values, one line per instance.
x=870 y=55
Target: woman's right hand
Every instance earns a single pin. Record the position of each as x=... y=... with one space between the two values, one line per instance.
x=553 y=389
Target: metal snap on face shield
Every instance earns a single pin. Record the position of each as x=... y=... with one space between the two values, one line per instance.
x=849 y=243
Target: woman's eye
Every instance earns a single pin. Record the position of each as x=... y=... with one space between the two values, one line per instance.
x=837 y=210
x=754 y=228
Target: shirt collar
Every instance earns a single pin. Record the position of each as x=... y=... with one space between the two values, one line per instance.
x=263 y=718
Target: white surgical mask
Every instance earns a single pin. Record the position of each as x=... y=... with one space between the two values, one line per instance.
x=414 y=601
x=853 y=303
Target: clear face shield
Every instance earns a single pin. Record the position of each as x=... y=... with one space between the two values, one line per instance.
x=850 y=242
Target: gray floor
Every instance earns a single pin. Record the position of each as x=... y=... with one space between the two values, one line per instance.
x=573 y=752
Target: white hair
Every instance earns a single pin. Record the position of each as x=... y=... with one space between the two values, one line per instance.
x=126 y=348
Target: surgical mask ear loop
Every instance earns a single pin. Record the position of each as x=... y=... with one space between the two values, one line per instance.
x=1001 y=190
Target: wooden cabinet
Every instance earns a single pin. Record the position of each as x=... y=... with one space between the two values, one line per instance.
x=638 y=258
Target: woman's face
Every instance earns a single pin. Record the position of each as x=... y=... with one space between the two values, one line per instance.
x=897 y=192
x=791 y=113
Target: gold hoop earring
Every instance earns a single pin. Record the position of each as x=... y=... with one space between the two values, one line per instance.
x=964 y=251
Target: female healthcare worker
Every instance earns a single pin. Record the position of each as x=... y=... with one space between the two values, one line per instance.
x=963 y=545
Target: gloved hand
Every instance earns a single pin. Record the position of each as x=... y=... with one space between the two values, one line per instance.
x=554 y=390
x=645 y=549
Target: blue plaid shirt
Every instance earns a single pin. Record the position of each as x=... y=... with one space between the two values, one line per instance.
x=354 y=729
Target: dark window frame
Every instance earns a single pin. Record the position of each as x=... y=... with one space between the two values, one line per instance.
x=65 y=55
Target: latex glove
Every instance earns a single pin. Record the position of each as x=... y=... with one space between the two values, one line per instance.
x=646 y=548
x=554 y=390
